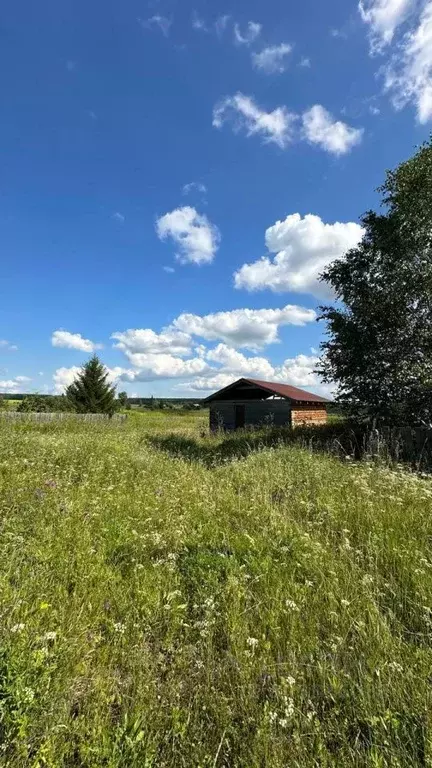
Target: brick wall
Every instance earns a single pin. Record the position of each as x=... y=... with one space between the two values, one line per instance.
x=308 y=414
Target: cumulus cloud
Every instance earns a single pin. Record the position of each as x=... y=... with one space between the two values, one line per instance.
x=251 y=328
x=298 y=371
x=409 y=74
x=145 y=340
x=8 y=386
x=244 y=114
x=383 y=18
x=69 y=340
x=334 y=136
x=272 y=60
x=117 y=216
x=252 y=31
x=195 y=236
x=150 y=367
x=6 y=345
x=233 y=360
x=63 y=377
x=303 y=248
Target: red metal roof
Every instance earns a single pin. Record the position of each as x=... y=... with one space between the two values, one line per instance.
x=283 y=390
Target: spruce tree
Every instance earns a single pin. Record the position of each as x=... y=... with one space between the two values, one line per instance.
x=90 y=392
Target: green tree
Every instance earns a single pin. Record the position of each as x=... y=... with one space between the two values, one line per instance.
x=33 y=403
x=379 y=347
x=90 y=392
x=122 y=399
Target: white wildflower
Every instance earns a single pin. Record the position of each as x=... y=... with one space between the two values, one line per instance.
x=252 y=642
x=17 y=628
x=291 y=605
x=50 y=636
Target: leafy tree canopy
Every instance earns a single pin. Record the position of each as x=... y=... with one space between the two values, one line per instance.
x=379 y=347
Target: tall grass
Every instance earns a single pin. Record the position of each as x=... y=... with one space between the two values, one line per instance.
x=161 y=612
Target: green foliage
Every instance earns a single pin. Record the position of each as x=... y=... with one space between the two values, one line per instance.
x=271 y=611
x=122 y=398
x=379 y=349
x=3 y=403
x=90 y=392
x=44 y=404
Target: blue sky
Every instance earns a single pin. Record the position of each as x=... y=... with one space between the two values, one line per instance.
x=174 y=177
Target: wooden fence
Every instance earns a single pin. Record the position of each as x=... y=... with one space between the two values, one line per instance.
x=63 y=416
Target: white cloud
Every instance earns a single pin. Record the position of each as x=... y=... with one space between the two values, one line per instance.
x=117 y=216
x=274 y=127
x=409 y=75
x=169 y=270
x=221 y=24
x=8 y=386
x=63 y=377
x=150 y=367
x=69 y=340
x=303 y=248
x=233 y=360
x=278 y=127
x=272 y=60
x=253 y=30
x=298 y=371
x=145 y=340
x=194 y=185
x=162 y=22
x=4 y=344
x=383 y=18
x=331 y=135
x=196 y=237
x=198 y=24
x=305 y=62
x=251 y=328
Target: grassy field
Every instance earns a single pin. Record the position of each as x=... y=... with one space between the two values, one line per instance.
x=264 y=612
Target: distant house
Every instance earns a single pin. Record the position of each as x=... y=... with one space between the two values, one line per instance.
x=250 y=403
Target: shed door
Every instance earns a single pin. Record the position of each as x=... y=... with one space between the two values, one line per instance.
x=239 y=416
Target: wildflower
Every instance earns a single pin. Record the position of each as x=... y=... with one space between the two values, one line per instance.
x=395 y=666
x=252 y=642
x=17 y=628
x=291 y=605
x=50 y=636
x=283 y=722
x=290 y=680
x=119 y=627
x=28 y=694
x=345 y=603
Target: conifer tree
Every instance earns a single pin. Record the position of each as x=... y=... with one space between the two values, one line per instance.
x=90 y=392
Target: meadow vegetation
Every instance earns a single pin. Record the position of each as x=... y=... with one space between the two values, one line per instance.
x=270 y=608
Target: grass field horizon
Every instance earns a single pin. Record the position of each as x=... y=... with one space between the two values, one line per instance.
x=171 y=612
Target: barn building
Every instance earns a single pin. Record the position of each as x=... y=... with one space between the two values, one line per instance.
x=252 y=403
